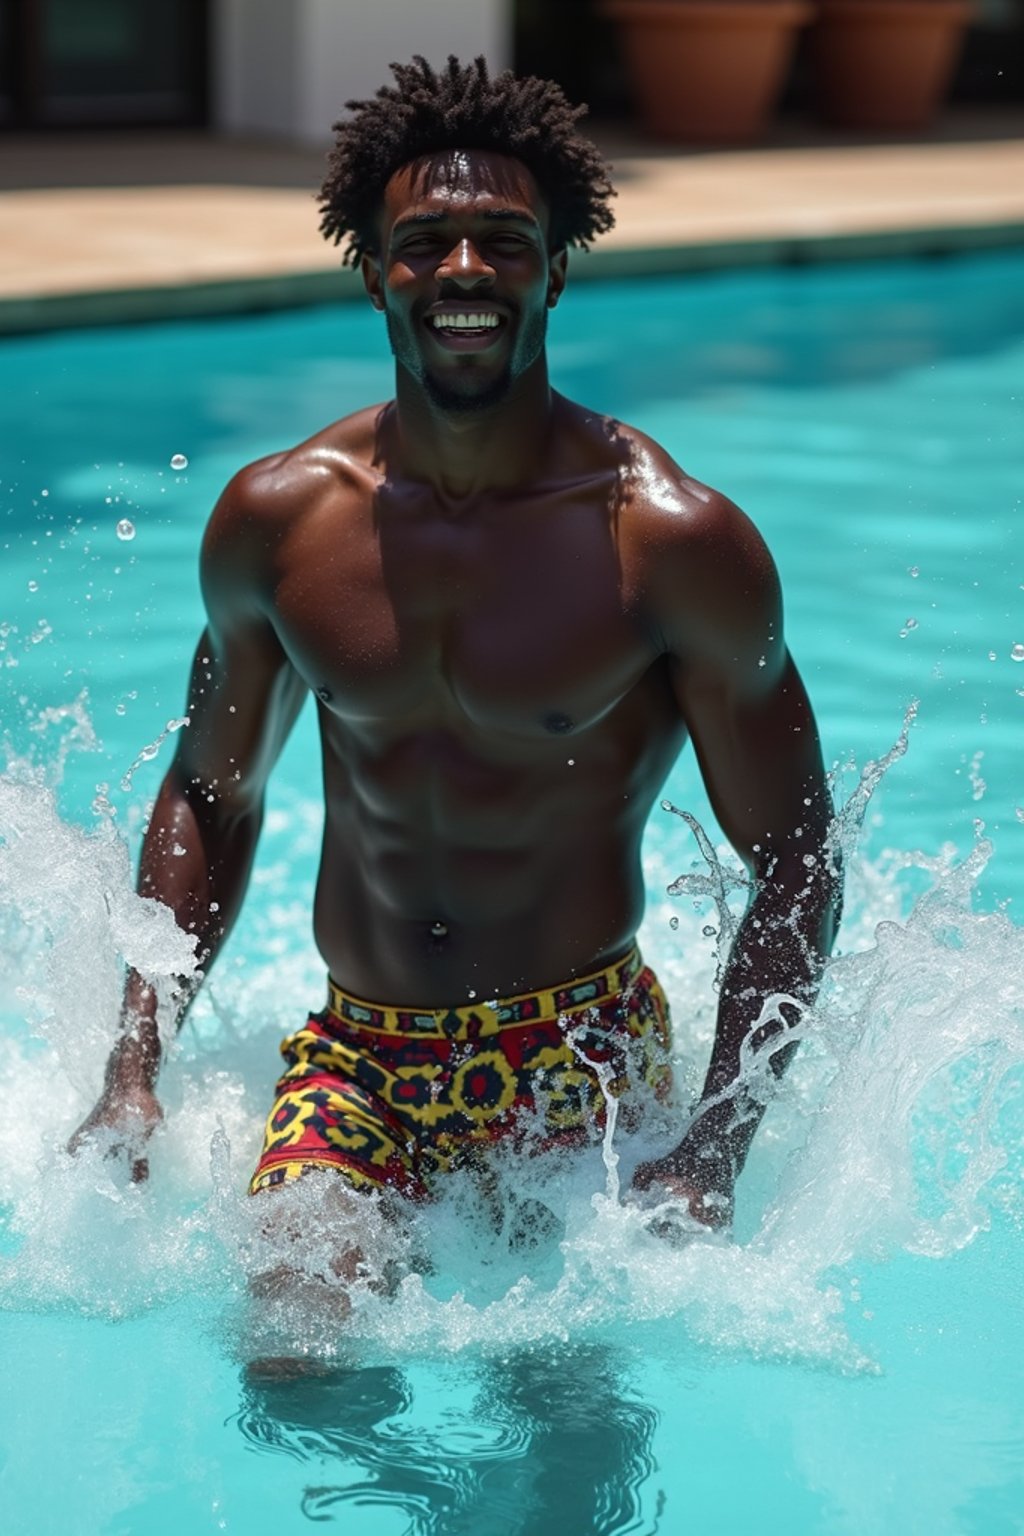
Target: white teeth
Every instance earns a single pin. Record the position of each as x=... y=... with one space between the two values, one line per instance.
x=460 y=321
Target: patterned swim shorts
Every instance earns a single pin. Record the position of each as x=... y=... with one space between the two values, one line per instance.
x=388 y=1096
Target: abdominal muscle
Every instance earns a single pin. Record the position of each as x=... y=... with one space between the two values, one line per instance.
x=533 y=873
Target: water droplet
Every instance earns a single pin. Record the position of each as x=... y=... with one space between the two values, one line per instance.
x=572 y=762
x=119 y=709
x=1018 y=811
x=992 y=656
x=177 y=851
x=914 y=570
x=471 y=994
x=1017 y=653
x=214 y=906
x=761 y=661
x=125 y=529
x=179 y=461
x=673 y=922
x=708 y=931
x=911 y=623
x=33 y=586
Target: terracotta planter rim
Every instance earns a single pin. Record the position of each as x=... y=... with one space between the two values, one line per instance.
x=731 y=11
x=903 y=10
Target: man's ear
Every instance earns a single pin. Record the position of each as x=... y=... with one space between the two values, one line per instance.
x=373 y=279
x=558 y=270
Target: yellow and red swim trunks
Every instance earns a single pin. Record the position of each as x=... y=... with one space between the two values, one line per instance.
x=389 y=1096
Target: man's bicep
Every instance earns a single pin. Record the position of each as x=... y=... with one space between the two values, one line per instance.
x=244 y=694
x=243 y=699
x=760 y=758
x=742 y=699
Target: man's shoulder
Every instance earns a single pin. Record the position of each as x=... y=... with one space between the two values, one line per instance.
x=665 y=509
x=271 y=494
x=699 y=561
x=284 y=503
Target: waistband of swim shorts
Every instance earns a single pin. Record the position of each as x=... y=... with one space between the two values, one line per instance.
x=487 y=1017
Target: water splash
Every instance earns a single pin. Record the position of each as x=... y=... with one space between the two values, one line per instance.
x=719 y=882
x=897 y=1130
x=845 y=831
x=604 y=1071
x=150 y=751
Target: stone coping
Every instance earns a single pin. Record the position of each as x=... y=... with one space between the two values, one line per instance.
x=89 y=255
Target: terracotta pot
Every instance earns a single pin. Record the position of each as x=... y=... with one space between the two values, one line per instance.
x=708 y=71
x=885 y=64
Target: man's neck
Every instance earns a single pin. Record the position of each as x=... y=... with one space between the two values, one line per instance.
x=463 y=454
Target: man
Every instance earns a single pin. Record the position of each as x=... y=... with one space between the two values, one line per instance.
x=512 y=612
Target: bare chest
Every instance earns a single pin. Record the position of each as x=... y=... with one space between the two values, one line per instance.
x=527 y=627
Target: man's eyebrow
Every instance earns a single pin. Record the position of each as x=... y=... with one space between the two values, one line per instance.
x=494 y=215
x=412 y=219
x=511 y=216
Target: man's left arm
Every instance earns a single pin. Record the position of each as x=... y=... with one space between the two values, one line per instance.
x=758 y=749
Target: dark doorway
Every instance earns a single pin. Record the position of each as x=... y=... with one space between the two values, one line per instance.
x=103 y=63
x=574 y=43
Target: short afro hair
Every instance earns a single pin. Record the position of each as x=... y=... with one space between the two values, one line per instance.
x=461 y=107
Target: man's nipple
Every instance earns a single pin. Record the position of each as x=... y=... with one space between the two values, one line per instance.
x=558 y=724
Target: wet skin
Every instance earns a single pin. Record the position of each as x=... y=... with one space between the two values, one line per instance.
x=512 y=612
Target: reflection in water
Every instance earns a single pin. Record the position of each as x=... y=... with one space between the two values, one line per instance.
x=587 y=1449
x=550 y=1444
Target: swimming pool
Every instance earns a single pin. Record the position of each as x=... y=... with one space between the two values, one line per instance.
x=852 y=1363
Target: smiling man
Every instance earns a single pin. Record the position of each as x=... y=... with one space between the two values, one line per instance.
x=512 y=612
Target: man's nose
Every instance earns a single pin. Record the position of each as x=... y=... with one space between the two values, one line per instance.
x=466 y=265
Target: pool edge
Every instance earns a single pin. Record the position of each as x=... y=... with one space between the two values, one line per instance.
x=74 y=309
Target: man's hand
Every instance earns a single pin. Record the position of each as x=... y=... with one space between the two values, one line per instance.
x=706 y=1185
x=126 y=1118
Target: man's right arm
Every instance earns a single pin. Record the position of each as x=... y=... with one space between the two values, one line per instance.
x=198 y=850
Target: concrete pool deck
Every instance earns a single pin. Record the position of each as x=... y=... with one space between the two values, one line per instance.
x=97 y=229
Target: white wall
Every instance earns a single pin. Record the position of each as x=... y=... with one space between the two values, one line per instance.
x=285 y=68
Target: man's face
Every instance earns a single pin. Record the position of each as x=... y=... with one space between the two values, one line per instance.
x=464 y=275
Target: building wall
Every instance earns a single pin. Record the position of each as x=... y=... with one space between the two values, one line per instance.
x=285 y=68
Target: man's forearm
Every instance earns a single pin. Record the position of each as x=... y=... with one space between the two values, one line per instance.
x=780 y=949
x=197 y=855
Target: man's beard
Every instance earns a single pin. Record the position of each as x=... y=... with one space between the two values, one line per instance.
x=445 y=394
x=454 y=402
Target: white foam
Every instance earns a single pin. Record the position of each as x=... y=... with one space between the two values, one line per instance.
x=897 y=1130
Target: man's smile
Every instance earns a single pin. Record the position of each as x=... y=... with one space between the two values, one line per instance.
x=462 y=328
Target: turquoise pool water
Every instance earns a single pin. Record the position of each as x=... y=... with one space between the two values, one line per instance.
x=852 y=1362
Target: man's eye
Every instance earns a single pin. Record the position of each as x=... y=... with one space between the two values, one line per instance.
x=425 y=240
